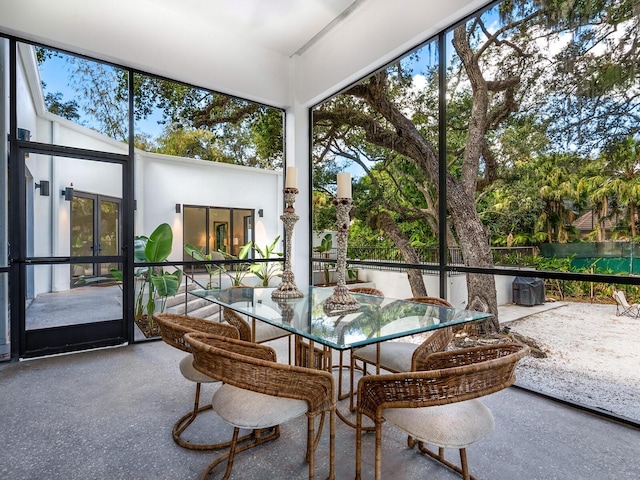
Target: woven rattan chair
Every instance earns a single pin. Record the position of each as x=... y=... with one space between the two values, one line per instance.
x=367 y=291
x=438 y=406
x=398 y=357
x=259 y=393
x=172 y=329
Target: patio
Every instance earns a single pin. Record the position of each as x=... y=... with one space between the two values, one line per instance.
x=108 y=414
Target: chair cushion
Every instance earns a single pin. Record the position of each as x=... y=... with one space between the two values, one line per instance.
x=190 y=373
x=247 y=409
x=266 y=332
x=394 y=356
x=456 y=425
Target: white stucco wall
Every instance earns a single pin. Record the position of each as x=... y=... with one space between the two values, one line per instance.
x=164 y=181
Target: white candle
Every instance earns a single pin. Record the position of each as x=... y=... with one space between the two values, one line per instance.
x=344 y=185
x=292 y=177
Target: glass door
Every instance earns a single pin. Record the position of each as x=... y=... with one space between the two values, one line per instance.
x=71 y=223
x=95 y=231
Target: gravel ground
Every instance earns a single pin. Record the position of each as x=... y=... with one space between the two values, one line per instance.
x=593 y=357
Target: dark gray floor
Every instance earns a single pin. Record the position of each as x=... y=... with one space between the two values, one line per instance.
x=108 y=414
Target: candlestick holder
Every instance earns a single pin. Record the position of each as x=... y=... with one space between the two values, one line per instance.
x=341 y=300
x=287 y=287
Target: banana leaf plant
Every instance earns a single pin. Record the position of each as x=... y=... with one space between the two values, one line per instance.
x=239 y=270
x=212 y=268
x=265 y=271
x=154 y=281
x=326 y=245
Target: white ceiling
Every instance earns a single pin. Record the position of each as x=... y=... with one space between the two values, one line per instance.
x=279 y=52
x=283 y=26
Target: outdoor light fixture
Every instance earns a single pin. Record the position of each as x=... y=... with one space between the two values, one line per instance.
x=260 y=213
x=44 y=188
x=67 y=193
x=178 y=209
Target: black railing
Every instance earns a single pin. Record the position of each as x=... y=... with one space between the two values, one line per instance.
x=426 y=256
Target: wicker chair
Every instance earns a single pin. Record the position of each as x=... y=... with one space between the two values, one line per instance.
x=438 y=406
x=399 y=357
x=172 y=329
x=367 y=291
x=259 y=393
x=263 y=332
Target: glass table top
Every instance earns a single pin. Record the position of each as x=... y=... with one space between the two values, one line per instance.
x=378 y=319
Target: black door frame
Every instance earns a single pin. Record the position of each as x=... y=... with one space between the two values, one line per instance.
x=62 y=339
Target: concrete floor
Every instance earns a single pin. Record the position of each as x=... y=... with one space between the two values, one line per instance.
x=107 y=414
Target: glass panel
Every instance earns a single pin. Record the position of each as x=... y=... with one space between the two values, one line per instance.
x=84 y=304
x=178 y=120
x=83 y=212
x=86 y=101
x=109 y=234
x=195 y=230
x=63 y=218
x=4 y=152
x=5 y=341
x=364 y=131
x=241 y=230
x=219 y=230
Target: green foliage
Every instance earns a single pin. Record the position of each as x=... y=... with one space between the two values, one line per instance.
x=152 y=281
x=238 y=271
x=326 y=245
x=265 y=271
x=211 y=268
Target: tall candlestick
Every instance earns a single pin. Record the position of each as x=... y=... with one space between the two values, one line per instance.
x=292 y=177
x=341 y=300
x=344 y=185
x=287 y=287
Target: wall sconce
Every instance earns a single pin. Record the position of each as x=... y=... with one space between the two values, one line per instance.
x=67 y=193
x=178 y=209
x=260 y=213
x=44 y=188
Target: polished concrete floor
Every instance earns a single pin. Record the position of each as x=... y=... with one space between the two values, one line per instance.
x=107 y=414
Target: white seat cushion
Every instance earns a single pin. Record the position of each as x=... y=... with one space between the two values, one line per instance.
x=456 y=425
x=394 y=356
x=190 y=373
x=247 y=409
x=266 y=331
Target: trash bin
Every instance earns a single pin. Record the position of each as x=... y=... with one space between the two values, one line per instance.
x=528 y=291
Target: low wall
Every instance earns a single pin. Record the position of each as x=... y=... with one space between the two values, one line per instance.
x=396 y=284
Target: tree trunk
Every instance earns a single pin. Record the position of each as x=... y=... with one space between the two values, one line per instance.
x=474 y=242
x=384 y=222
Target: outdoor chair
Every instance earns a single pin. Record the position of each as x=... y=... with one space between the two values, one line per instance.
x=263 y=332
x=623 y=307
x=440 y=405
x=367 y=291
x=398 y=357
x=259 y=393
x=172 y=329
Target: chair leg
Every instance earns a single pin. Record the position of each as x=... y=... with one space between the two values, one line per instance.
x=463 y=470
x=187 y=419
x=463 y=462
x=236 y=447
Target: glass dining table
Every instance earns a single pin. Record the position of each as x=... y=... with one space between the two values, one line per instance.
x=377 y=320
x=318 y=332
